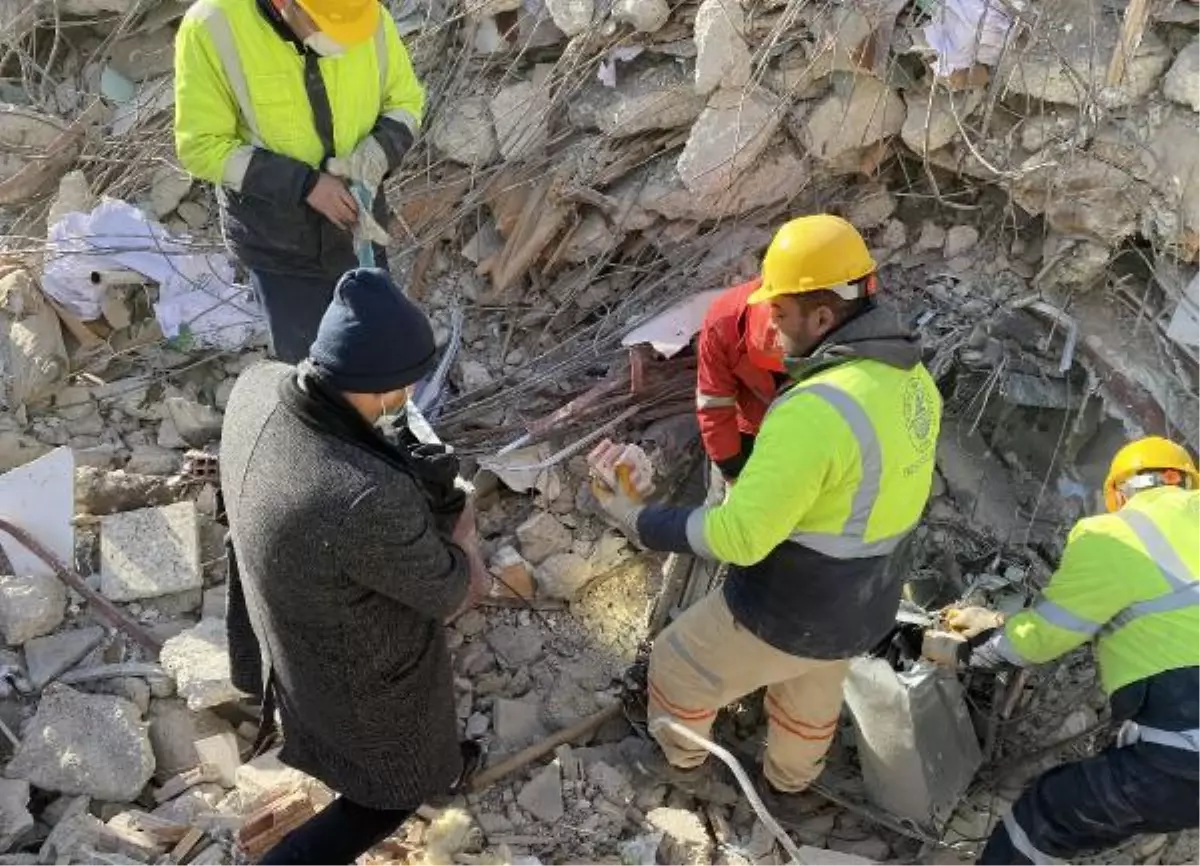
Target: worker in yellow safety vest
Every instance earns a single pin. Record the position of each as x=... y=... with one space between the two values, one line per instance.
x=1128 y=582
x=840 y=474
x=288 y=106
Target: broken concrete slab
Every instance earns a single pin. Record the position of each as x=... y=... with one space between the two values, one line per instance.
x=542 y=795
x=196 y=423
x=150 y=552
x=646 y=16
x=33 y=357
x=267 y=773
x=30 y=606
x=463 y=132
x=866 y=112
x=174 y=730
x=517 y=723
x=647 y=96
x=932 y=118
x=1068 y=60
x=960 y=239
x=198 y=659
x=1182 y=81
x=222 y=752
x=542 y=535
x=109 y=755
x=872 y=206
x=730 y=134
x=514 y=645
x=1082 y=197
x=572 y=17
x=563 y=575
x=168 y=186
x=47 y=657
x=722 y=58
x=16 y=824
x=519 y=116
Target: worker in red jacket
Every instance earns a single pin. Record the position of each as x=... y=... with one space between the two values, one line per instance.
x=740 y=368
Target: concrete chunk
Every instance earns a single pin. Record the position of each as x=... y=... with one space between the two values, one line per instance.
x=722 y=57
x=542 y=535
x=15 y=821
x=519 y=114
x=150 y=552
x=726 y=140
x=463 y=132
x=30 y=606
x=517 y=723
x=1182 y=82
x=47 y=657
x=85 y=744
x=844 y=123
x=542 y=795
x=198 y=659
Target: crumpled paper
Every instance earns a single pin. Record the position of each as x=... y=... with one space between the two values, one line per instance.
x=966 y=32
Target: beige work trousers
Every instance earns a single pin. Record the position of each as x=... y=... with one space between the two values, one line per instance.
x=706 y=660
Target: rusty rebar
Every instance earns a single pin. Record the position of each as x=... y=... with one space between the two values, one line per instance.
x=104 y=608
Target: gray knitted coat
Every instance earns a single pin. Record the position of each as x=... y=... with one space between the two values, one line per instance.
x=346 y=581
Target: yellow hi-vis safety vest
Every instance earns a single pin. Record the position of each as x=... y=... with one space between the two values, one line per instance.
x=1128 y=580
x=843 y=465
x=238 y=85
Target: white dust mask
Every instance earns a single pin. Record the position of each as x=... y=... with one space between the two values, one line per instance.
x=324 y=45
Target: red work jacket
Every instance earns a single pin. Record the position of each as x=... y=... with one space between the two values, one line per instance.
x=739 y=350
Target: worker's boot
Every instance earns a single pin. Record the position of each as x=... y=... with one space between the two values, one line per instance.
x=789 y=808
x=703 y=782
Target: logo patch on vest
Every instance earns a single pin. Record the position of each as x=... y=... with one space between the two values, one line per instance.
x=918 y=415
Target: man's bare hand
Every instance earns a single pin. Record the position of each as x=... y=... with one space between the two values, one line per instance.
x=333 y=200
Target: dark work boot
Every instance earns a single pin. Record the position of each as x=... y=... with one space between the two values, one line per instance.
x=703 y=782
x=789 y=808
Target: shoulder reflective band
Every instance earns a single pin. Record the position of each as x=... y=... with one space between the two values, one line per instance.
x=382 y=59
x=381 y=54
x=1022 y=843
x=1185 y=591
x=223 y=43
x=850 y=542
x=713 y=401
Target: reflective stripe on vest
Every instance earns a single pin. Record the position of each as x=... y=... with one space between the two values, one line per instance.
x=850 y=543
x=713 y=401
x=1185 y=591
x=1021 y=841
x=223 y=43
x=1131 y=732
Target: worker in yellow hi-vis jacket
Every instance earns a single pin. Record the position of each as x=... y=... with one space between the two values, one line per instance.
x=1128 y=582
x=284 y=105
x=839 y=475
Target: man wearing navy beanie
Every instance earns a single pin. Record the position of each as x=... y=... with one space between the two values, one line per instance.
x=350 y=552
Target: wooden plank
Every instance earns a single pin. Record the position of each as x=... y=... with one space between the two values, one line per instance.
x=186 y=844
x=1133 y=27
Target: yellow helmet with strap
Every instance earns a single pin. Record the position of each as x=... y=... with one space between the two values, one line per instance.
x=1160 y=460
x=812 y=253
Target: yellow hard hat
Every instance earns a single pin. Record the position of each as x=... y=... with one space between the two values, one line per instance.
x=347 y=22
x=811 y=253
x=1152 y=454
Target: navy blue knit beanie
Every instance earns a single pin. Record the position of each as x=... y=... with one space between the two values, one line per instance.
x=372 y=339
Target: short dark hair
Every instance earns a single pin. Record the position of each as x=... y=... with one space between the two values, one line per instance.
x=843 y=309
